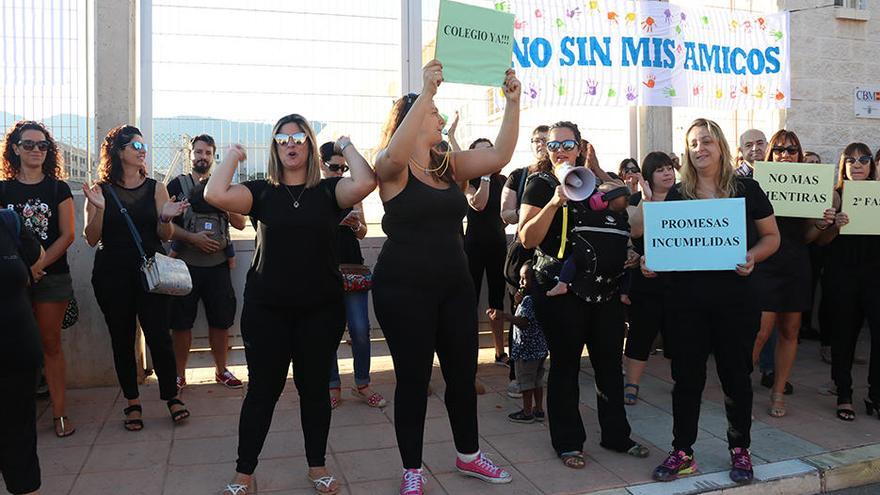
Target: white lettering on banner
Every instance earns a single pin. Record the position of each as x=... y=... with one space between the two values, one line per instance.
x=619 y=53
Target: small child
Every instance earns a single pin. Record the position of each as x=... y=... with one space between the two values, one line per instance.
x=199 y=205
x=528 y=350
x=615 y=195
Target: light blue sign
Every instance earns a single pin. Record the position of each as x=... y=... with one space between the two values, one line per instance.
x=705 y=234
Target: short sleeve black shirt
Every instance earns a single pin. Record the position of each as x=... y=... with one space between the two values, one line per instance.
x=295 y=263
x=38 y=206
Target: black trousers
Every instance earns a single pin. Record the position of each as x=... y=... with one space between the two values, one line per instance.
x=273 y=337
x=19 y=464
x=487 y=255
x=646 y=320
x=569 y=323
x=124 y=302
x=729 y=334
x=419 y=318
x=854 y=298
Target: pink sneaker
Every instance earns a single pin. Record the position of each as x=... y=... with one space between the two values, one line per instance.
x=413 y=482
x=228 y=379
x=483 y=468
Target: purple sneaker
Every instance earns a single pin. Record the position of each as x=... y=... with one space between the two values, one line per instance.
x=676 y=465
x=741 y=462
x=483 y=468
x=413 y=482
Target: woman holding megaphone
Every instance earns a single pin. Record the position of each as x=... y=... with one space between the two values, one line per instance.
x=714 y=310
x=590 y=312
x=423 y=293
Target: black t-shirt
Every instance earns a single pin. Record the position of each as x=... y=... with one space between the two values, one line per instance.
x=295 y=263
x=196 y=198
x=38 y=206
x=721 y=287
x=20 y=347
x=486 y=226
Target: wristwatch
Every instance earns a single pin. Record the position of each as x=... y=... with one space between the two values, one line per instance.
x=485 y=178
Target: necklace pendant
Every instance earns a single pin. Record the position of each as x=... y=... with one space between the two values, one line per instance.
x=296 y=204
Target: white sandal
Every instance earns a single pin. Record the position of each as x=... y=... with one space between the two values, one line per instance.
x=325 y=482
x=237 y=489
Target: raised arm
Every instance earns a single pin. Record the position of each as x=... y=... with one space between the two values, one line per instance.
x=352 y=190
x=236 y=220
x=220 y=192
x=593 y=164
x=453 y=142
x=509 y=211
x=470 y=164
x=93 y=213
x=392 y=162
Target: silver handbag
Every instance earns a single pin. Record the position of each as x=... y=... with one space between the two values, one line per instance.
x=162 y=274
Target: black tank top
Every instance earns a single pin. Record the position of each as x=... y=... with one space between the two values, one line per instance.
x=118 y=249
x=423 y=226
x=486 y=227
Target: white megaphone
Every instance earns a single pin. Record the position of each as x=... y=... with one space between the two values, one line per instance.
x=578 y=183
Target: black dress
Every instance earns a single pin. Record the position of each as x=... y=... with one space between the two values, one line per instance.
x=782 y=282
x=486 y=243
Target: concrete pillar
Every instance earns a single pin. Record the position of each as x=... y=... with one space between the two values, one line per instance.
x=115 y=65
x=655 y=130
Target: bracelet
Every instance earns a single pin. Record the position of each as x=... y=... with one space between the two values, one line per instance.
x=342 y=147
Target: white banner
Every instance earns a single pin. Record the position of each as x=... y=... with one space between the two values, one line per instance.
x=618 y=53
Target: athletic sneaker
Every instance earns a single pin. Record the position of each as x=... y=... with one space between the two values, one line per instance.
x=484 y=469
x=741 y=462
x=228 y=379
x=539 y=416
x=676 y=465
x=521 y=417
x=513 y=390
x=413 y=482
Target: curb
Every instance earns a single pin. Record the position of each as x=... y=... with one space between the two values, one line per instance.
x=809 y=475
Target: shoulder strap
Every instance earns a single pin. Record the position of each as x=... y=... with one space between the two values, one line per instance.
x=136 y=236
x=522 y=185
x=187 y=184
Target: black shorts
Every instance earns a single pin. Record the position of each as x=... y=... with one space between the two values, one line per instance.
x=18 y=431
x=213 y=286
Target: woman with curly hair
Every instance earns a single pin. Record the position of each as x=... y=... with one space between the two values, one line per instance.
x=116 y=277
x=33 y=170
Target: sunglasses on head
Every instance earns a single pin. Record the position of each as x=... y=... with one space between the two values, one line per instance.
x=298 y=138
x=29 y=145
x=567 y=145
x=864 y=160
x=137 y=145
x=337 y=168
x=791 y=150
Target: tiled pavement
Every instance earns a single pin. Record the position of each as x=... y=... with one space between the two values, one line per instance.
x=198 y=457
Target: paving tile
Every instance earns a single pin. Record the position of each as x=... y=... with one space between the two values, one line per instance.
x=440 y=457
x=284 y=444
x=212 y=450
x=626 y=467
x=352 y=412
x=363 y=437
x=146 y=481
x=85 y=435
x=205 y=479
x=391 y=485
x=127 y=456
x=155 y=429
x=774 y=445
x=285 y=420
x=57 y=484
x=98 y=395
x=370 y=465
x=455 y=483
x=62 y=460
x=498 y=424
x=527 y=446
x=552 y=477
x=206 y=426
x=290 y=473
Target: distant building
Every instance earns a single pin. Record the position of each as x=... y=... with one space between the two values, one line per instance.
x=76 y=163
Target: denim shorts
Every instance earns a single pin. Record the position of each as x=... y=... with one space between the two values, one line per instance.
x=55 y=287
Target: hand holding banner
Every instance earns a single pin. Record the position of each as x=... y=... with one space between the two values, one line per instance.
x=861 y=202
x=705 y=234
x=801 y=190
x=474 y=44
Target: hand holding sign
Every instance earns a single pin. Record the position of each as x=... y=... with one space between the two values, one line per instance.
x=475 y=44
x=432 y=76
x=746 y=269
x=512 y=88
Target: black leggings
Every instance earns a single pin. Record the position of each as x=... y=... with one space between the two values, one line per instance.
x=646 y=320
x=419 y=318
x=273 y=336
x=569 y=323
x=124 y=302
x=484 y=255
x=852 y=300
x=729 y=334
x=19 y=464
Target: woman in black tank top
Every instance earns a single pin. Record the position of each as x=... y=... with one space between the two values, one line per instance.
x=422 y=290
x=116 y=276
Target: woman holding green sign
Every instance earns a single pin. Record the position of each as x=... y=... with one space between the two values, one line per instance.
x=853 y=271
x=423 y=293
x=714 y=310
x=782 y=283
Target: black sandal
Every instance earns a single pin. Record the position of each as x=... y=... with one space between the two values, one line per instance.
x=180 y=414
x=133 y=424
x=573 y=459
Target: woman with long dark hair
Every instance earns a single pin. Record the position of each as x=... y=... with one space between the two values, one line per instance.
x=590 y=312
x=853 y=270
x=423 y=293
x=34 y=187
x=715 y=311
x=783 y=281
x=123 y=188
x=293 y=299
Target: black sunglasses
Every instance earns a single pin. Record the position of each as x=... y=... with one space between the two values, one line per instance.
x=631 y=170
x=29 y=145
x=864 y=160
x=336 y=168
x=567 y=145
x=791 y=150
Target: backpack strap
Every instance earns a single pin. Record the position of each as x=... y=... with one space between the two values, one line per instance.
x=187 y=185
x=522 y=186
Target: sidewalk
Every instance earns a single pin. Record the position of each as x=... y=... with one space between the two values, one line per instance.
x=198 y=457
